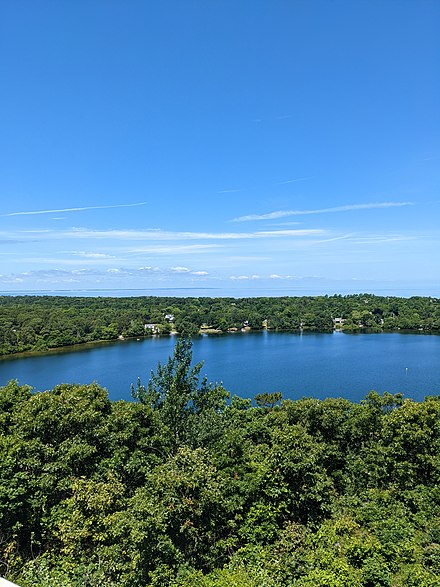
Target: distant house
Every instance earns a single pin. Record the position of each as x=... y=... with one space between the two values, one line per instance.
x=169 y=317
x=337 y=322
x=155 y=329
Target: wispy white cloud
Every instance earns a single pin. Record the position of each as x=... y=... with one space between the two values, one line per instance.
x=90 y=255
x=292 y=180
x=244 y=277
x=148 y=269
x=162 y=235
x=173 y=249
x=256 y=187
x=346 y=208
x=83 y=271
x=383 y=238
x=286 y=233
x=432 y=158
x=288 y=223
x=53 y=211
x=263 y=277
x=158 y=234
x=276 y=276
x=247 y=258
x=343 y=237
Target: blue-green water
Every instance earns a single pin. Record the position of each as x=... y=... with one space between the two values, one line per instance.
x=319 y=365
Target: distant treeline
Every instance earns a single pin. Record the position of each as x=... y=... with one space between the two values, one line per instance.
x=38 y=323
x=183 y=488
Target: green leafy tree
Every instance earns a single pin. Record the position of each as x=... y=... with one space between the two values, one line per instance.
x=268 y=400
x=176 y=393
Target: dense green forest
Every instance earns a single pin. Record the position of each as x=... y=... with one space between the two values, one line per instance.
x=184 y=487
x=39 y=323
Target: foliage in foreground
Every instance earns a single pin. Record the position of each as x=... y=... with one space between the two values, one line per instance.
x=181 y=488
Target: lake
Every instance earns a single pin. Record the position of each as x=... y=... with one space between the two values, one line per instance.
x=319 y=365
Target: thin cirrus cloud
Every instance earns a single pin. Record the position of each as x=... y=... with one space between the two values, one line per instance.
x=247 y=188
x=56 y=211
x=254 y=277
x=172 y=249
x=346 y=208
x=158 y=235
x=155 y=234
x=385 y=238
x=228 y=191
x=293 y=180
x=90 y=255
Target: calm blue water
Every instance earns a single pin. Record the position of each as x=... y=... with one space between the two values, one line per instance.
x=319 y=365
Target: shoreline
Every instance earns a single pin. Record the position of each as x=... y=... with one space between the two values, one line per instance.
x=204 y=332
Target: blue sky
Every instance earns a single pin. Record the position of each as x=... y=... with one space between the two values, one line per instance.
x=250 y=147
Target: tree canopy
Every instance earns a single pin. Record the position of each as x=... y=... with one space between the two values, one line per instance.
x=183 y=488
